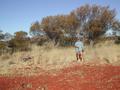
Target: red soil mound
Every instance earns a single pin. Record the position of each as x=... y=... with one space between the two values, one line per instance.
x=77 y=77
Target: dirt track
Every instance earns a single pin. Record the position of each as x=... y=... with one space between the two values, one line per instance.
x=75 y=77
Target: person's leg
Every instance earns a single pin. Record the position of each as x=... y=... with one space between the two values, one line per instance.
x=77 y=56
x=80 y=57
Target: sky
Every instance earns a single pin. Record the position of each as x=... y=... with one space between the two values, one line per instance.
x=16 y=15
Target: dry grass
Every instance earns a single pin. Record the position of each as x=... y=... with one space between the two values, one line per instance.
x=107 y=52
x=49 y=57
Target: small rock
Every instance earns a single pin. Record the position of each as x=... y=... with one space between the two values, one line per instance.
x=107 y=60
x=26 y=58
x=28 y=85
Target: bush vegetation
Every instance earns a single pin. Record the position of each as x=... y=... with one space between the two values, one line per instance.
x=89 y=21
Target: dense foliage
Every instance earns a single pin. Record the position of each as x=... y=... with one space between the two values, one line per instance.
x=85 y=19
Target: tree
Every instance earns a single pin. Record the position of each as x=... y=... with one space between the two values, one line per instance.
x=71 y=24
x=36 y=29
x=20 y=35
x=7 y=36
x=95 y=19
x=56 y=26
x=52 y=26
x=20 y=41
x=88 y=20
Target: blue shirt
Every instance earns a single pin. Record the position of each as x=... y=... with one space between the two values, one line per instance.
x=80 y=46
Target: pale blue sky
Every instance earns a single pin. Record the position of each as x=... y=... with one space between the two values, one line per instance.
x=19 y=14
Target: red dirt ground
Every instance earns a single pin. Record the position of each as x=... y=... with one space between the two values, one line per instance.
x=75 y=77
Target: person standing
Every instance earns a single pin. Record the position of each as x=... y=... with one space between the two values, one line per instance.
x=79 y=48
